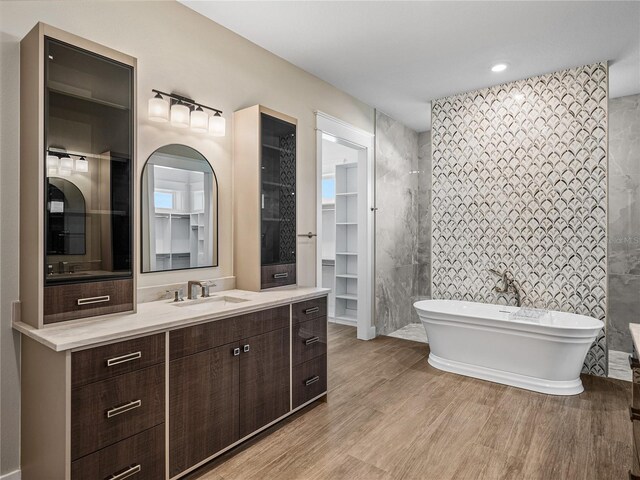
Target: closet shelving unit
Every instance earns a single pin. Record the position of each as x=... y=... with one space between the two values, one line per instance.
x=346 y=276
x=180 y=240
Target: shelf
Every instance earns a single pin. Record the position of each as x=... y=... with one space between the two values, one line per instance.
x=346 y=194
x=278 y=149
x=346 y=275
x=346 y=317
x=347 y=296
x=346 y=253
x=88 y=99
x=277 y=184
x=346 y=223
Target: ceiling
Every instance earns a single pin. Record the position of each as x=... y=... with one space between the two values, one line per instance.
x=397 y=55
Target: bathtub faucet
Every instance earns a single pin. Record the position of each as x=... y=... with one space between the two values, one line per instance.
x=509 y=285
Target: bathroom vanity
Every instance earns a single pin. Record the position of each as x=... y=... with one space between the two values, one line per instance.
x=156 y=394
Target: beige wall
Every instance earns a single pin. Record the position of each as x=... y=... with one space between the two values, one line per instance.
x=177 y=50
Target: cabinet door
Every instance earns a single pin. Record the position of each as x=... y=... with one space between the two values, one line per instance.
x=203 y=406
x=264 y=379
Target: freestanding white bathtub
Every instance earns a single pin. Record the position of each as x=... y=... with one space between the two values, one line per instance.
x=479 y=340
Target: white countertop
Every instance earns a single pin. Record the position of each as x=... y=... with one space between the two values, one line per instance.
x=634 y=328
x=154 y=317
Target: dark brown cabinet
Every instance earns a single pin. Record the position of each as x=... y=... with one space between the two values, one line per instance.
x=203 y=406
x=219 y=395
x=264 y=380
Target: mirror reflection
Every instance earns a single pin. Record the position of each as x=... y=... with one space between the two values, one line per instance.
x=179 y=210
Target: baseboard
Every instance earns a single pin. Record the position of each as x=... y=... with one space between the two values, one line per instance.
x=17 y=475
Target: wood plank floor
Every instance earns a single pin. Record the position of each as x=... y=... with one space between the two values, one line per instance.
x=390 y=415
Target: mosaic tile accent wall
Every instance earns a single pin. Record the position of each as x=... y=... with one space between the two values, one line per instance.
x=520 y=183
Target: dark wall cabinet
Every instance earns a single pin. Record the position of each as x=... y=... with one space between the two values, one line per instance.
x=265 y=146
x=77 y=153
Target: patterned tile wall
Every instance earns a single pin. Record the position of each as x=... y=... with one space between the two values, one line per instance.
x=520 y=183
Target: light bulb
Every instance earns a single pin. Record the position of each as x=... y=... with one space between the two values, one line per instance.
x=499 y=67
x=52 y=161
x=64 y=172
x=199 y=120
x=158 y=109
x=217 y=125
x=66 y=163
x=180 y=115
x=82 y=165
x=52 y=171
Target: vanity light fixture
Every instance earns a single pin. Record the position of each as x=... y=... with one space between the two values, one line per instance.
x=62 y=163
x=499 y=67
x=184 y=112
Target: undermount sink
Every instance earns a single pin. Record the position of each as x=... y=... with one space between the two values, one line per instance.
x=209 y=303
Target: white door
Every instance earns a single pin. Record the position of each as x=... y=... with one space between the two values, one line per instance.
x=352 y=286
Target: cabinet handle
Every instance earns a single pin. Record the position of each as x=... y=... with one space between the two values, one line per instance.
x=311 y=340
x=245 y=348
x=634 y=414
x=129 y=472
x=90 y=300
x=124 y=408
x=281 y=275
x=123 y=359
x=311 y=380
x=236 y=351
x=311 y=310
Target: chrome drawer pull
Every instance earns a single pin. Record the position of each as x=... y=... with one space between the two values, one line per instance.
x=129 y=472
x=311 y=310
x=634 y=414
x=311 y=380
x=123 y=359
x=236 y=351
x=124 y=408
x=280 y=275
x=90 y=300
x=311 y=340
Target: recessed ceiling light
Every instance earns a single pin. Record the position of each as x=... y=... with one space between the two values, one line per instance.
x=499 y=67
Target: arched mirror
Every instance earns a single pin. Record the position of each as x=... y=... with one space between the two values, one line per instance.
x=179 y=210
x=65 y=218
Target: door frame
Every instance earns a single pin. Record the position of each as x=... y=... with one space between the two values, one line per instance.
x=361 y=139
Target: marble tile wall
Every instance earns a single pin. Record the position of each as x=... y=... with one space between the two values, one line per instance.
x=624 y=220
x=401 y=273
x=520 y=183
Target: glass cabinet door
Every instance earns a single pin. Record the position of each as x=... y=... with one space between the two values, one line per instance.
x=88 y=151
x=278 y=178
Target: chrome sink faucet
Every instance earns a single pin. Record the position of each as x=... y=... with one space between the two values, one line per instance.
x=509 y=285
x=192 y=289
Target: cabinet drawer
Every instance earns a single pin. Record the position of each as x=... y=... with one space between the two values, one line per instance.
x=140 y=457
x=106 y=412
x=309 y=380
x=80 y=300
x=190 y=340
x=278 y=275
x=310 y=309
x=99 y=363
x=309 y=340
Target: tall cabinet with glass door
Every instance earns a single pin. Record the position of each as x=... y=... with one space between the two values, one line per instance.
x=77 y=153
x=265 y=198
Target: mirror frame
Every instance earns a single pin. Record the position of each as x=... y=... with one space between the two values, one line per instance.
x=216 y=237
